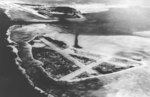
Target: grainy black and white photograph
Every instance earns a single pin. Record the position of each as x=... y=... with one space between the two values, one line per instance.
x=74 y=48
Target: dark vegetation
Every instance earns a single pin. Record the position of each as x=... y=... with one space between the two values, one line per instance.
x=105 y=68
x=58 y=43
x=82 y=75
x=54 y=63
x=84 y=60
x=60 y=12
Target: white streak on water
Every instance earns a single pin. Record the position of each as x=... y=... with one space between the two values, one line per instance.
x=143 y=33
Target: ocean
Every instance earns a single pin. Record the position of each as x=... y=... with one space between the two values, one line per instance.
x=12 y=81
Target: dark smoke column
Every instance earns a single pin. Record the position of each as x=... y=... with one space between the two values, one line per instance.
x=73 y=16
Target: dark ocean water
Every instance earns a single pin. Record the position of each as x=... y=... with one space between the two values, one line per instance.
x=12 y=81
